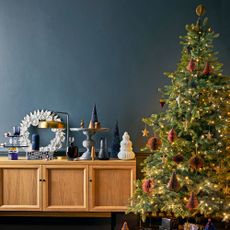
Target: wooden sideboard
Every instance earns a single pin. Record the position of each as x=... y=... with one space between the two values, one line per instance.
x=66 y=186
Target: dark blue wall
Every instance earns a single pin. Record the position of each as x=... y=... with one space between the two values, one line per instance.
x=66 y=55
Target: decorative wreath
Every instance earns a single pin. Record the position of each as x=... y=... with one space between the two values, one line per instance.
x=33 y=119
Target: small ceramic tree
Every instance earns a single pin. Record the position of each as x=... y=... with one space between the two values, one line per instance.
x=126 y=150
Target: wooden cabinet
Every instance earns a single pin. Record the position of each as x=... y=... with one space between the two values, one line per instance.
x=66 y=186
x=20 y=187
x=111 y=187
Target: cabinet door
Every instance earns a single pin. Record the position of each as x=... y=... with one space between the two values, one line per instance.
x=20 y=187
x=111 y=187
x=65 y=188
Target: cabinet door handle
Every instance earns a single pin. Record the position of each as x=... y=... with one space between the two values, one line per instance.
x=90 y=180
x=40 y=179
x=43 y=180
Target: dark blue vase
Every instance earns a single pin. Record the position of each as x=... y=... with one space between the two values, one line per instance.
x=35 y=142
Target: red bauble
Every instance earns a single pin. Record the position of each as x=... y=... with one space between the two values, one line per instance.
x=148 y=185
x=153 y=143
x=178 y=158
x=191 y=65
x=172 y=135
x=192 y=202
x=196 y=162
x=207 y=69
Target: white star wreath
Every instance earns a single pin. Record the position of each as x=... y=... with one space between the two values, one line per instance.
x=33 y=119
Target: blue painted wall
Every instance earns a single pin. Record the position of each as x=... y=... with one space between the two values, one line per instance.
x=66 y=55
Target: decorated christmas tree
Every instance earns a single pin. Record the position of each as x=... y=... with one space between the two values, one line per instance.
x=187 y=174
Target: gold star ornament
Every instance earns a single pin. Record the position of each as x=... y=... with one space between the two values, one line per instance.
x=209 y=135
x=145 y=132
x=226 y=190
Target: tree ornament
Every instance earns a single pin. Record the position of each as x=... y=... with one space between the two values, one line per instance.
x=226 y=190
x=172 y=135
x=207 y=69
x=126 y=150
x=192 y=202
x=191 y=65
x=173 y=183
x=164 y=159
x=185 y=124
x=125 y=226
x=162 y=103
x=178 y=101
x=200 y=10
x=209 y=135
x=115 y=146
x=178 y=158
x=196 y=162
x=148 y=185
x=145 y=132
x=153 y=143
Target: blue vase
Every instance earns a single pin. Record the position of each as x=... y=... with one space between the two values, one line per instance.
x=35 y=142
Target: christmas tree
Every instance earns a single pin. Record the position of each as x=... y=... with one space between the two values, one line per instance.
x=189 y=171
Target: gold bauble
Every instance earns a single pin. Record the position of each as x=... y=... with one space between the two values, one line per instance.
x=200 y=10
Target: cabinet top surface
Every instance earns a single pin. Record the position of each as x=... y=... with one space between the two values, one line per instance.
x=20 y=161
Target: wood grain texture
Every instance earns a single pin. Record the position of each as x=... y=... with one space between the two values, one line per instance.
x=1 y=188
x=111 y=187
x=20 y=187
x=65 y=188
x=23 y=161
